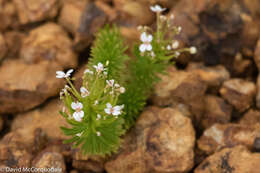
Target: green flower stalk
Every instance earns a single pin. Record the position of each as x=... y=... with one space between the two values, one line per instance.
x=113 y=94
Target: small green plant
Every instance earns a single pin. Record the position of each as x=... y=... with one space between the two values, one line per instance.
x=113 y=93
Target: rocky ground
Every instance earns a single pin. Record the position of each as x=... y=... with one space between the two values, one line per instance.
x=203 y=117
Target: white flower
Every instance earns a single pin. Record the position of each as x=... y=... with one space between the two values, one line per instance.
x=146 y=45
x=177 y=54
x=193 y=50
x=99 y=67
x=88 y=71
x=157 y=8
x=179 y=29
x=139 y=28
x=122 y=90
x=175 y=44
x=63 y=109
x=172 y=16
x=78 y=114
x=79 y=134
x=116 y=110
x=98 y=133
x=169 y=47
x=152 y=54
x=84 y=92
x=117 y=85
x=98 y=117
x=96 y=102
x=110 y=82
x=61 y=74
x=163 y=18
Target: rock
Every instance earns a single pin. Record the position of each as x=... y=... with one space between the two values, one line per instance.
x=25 y=86
x=213 y=76
x=250 y=118
x=257 y=55
x=87 y=163
x=1 y=123
x=239 y=93
x=3 y=48
x=162 y=141
x=231 y=160
x=228 y=135
x=31 y=132
x=251 y=29
x=216 y=28
x=83 y=19
x=48 y=42
x=134 y=12
x=35 y=11
x=216 y=111
x=16 y=149
x=242 y=67
x=258 y=92
x=43 y=118
x=70 y=14
x=178 y=85
x=14 y=40
x=184 y=87
x=8 y=14
x=50 y=160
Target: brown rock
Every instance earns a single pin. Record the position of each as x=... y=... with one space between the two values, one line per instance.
x=3 y=48
x=257 y=55
x=35 y=11
x=178 y=85
x=231 y=160
x=250 y=118
x=258 y=92
x=228 y=135
x=25 y=86
x=239 y=93
x=250 y=33
x=216 y=111
x=14 y=40
x=1 y=123
x=8 y=16
x=162 y=141
x=87 y=163
x=134 y=12
x=216 y=28
x=83 y=19
x=16 y=148
x=212 y=76
x=48 y=42
x=70 y=14
x=184 y=87
x=46 y=118
x=51 y=160
x=242 y=66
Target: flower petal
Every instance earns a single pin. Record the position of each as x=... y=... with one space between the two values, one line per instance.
x=81 y=114
x=143 y=37
x=79 y=105
x=109 y=105
x=74 y=105
x=76 y=116
x=149 y=47
x=107 y=110
x=60 y=74
x=149 y=38
x=69 y=71
x=142 y=48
